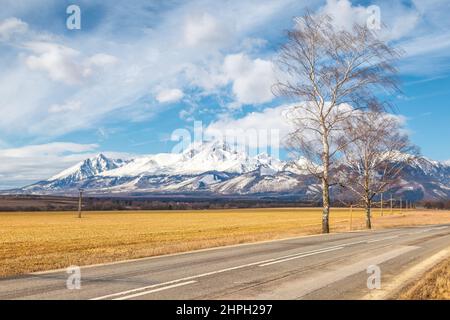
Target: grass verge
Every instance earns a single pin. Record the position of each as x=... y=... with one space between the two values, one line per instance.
x=434 y=285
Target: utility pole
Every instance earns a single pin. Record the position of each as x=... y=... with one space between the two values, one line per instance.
x=391 y=204
x=351 y=217
x=79 y=202
x=382 y=204
x=401 y=204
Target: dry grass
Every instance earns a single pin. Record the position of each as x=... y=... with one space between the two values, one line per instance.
x=434 y=286
x=41 y=241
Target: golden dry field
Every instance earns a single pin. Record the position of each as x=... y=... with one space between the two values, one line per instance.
x=41 y=241
x=435 y=285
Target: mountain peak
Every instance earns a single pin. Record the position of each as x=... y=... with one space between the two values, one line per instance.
x=88 y=168
x=215 y=146
x=101 y=156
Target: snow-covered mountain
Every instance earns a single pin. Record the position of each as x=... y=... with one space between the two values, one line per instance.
x=197 y=159
x=88 y=168
x=215 y=168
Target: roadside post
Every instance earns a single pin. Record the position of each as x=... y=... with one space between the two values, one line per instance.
x=79 y=202
x=391 y=205
x=351 y=217
x=382 y=204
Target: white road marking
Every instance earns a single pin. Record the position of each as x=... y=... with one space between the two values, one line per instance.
x=298 y=288
x=300 y=256
x=295 y=255
x=133 y=290
x=431 y=229
x=426 y=230
x=155 y=290
x=386 y=238
x=203 y=275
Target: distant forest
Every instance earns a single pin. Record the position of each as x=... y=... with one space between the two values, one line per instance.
x=53 y=203
x=440 y=205
x=59 y=203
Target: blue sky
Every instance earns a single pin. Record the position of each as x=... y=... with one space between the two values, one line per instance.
x=138 y=70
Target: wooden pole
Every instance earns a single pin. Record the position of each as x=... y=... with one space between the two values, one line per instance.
x=79 y=203
x=351 y=217
x=382 y=204
x=391 y=204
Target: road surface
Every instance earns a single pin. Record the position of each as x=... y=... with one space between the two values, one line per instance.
x=330 y=266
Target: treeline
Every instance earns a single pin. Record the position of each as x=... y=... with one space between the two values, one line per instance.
x=109 y=204
x=439 y=205
x=44 y=203
x=96 y=204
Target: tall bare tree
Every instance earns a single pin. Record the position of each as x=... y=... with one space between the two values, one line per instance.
x=333 y=72
x=375 y=153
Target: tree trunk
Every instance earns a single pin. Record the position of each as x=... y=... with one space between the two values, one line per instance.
x=368 y=215
x=325 y=182
x=326 y=206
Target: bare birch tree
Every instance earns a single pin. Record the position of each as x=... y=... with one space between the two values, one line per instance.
x=333 y=72
x=376 y=152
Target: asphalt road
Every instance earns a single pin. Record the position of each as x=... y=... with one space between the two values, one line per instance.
x=330 y=266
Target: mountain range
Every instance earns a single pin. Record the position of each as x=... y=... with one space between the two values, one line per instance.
x=214 y=169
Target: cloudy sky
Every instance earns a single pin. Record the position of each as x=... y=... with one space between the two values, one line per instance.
x=138 y=70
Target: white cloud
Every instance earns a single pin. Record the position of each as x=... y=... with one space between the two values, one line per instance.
x=152 y=51
x=60 y=62
x=63 y=63
x=396 y=19
x=169 y=95
x=252 y=79
x=102 y=60
x=158 y=56
x=54 y=148
x=207 y=77
x=258 y=129
x=25 y=165
x=344 y=14
x=10 y=27
x=254 y=128
x=203 y=29
x=66 y=107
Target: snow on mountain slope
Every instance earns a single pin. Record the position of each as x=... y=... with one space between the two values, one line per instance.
x=148 y=165
x=88 y=168
x=258 y=182
x=299 y=166
x=198 y=158
x=215 y=156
